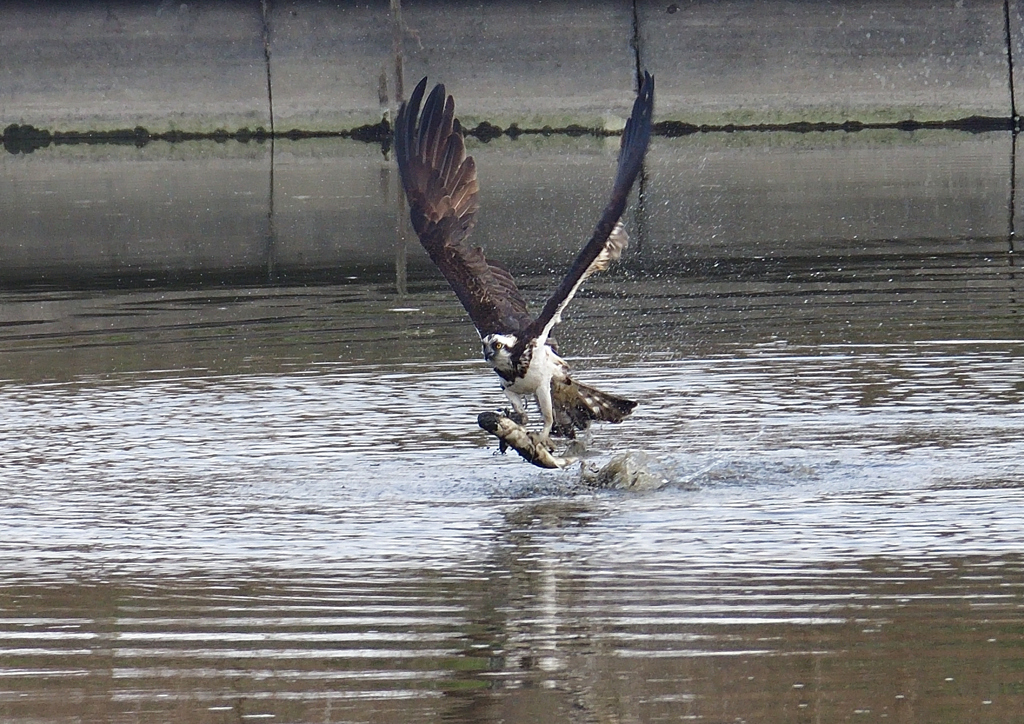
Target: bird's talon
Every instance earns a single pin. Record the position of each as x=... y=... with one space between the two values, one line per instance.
x=544 y=440
x=518 y=418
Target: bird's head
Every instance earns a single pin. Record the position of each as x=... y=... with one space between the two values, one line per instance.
x=498 y=350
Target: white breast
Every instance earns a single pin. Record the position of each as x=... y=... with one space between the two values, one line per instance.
x=544 y=365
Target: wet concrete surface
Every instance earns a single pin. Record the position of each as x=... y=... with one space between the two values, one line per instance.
x=779 y=62
x=161 y=65
x=244 y=497
x=303 y=64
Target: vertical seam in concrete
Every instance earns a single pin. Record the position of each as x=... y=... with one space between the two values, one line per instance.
x=1009 y=61
x=266 y=60
x=638 y=71
x=398 y=50
x=271 y=227
x=640 y=215
x=1015 y=124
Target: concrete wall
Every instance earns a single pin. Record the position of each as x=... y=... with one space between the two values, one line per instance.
x=331 y=66
x=790 y=60
x=113 y=65
x=106 y=213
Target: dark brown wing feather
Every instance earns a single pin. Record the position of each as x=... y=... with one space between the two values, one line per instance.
x=635 y=138
x=440 y=184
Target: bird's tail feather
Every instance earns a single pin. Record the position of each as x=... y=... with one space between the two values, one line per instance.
x=576 y=405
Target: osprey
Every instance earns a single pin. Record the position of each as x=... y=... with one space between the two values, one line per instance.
x=441 y=186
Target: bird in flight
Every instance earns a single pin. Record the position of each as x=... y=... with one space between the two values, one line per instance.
x=441 y=187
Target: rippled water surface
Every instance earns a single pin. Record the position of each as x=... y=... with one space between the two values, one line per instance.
x=236 y=500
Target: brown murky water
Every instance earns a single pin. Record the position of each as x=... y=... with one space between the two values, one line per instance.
x=227 y=499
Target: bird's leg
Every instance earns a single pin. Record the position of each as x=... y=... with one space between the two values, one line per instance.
x=547 y=410
x=518 y=414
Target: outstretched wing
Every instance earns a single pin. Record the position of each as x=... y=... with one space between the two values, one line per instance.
x=440 y=184
x=609 y=238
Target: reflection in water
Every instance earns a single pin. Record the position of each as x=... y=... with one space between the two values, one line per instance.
x=244 y=502
x=560 y=631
